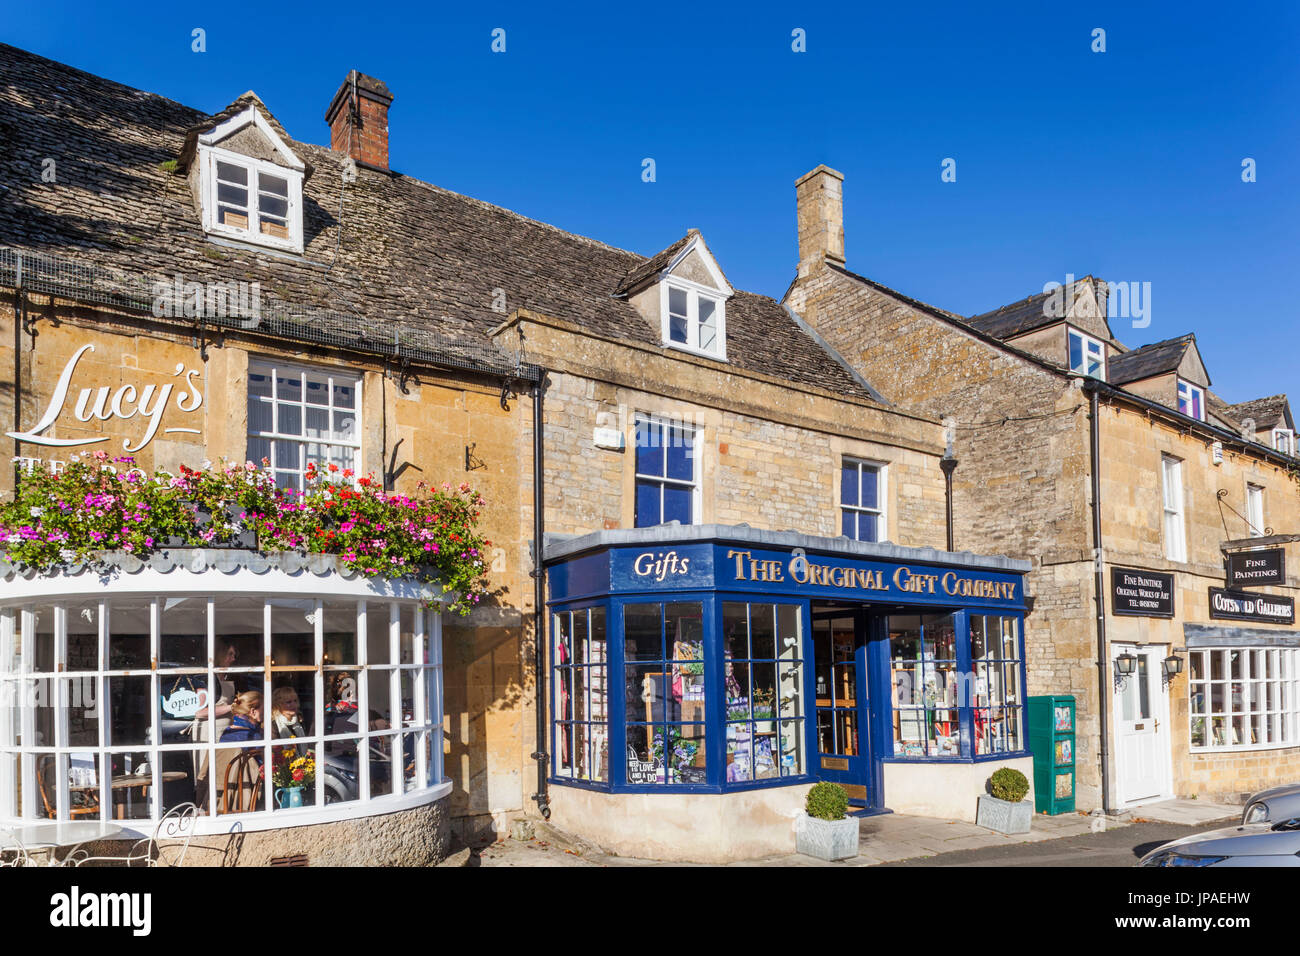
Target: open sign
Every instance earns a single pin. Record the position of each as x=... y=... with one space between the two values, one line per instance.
x=184 y=702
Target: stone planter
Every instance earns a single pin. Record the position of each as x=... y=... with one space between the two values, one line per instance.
x=1003 y=816
x=827 y=839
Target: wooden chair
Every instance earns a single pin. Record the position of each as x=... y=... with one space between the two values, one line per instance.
x=176 y=828
x=88 y=805
x=242 y=779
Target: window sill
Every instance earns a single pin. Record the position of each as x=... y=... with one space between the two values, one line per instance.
x=981 y=758
x=683 y=347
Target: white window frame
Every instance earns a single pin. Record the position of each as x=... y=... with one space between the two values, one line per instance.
x=1282 y=721
x=694 y=292
x=1172 y=503
x=17 y=622
x=1287 y=435
x=1087 y=340
x=1255 y=509
x=694 y=484
x=1195 y=397
x=882 y=487
x=273 y=367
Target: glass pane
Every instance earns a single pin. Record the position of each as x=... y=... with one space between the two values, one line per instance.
x=642 y=632
x=849 y=524
x=240 y=787
x=229 y=172
x=273 y=209
x=275 y=185
x=289 y=420
x=83 y=636
x=345 y=424
x=232 y=195
x=870 y=487
x=740 y=767
x=649 y=447
x=677 y=504
x=677 y=302
x=344 y=394
x=868 y=527
x=293 y=632
x=647 y=504
x=259 y=451
x=681 y=453
x=293 y=777
x=762 y=621
x=677 y=329
x=130 y=711
x=792 y=748
x=1076 y=352
x=288 y=386
x=128 y=647
x=382 y=750
x=259 y=384
x=849 y=493
x=381 y=693
x=318 y=423
x=340 y=632
x=644 y=755
x=259 y=416
x=682 y=750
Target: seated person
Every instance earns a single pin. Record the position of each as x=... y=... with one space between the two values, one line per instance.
x=245 y=717
x=286 y=719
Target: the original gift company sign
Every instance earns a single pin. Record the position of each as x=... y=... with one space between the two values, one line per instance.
x=794 y=572
x=1262 y=608
x=149 y=403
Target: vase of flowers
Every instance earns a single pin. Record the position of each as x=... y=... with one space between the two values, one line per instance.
x=293 y=774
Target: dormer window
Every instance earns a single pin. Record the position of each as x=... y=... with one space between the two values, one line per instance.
x=1284 y=440
x=250 y=198
x=694 y=318
x=1191 y=400
x=1087 y=355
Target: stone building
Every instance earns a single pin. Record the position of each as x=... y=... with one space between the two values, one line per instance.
x=741 y=540
x=1183 y=479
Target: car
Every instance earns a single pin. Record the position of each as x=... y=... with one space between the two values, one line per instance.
x=1277 y=803
x=1251 y=844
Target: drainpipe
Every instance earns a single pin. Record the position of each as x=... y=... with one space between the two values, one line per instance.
x=20 y=320
x=538 y=575
x=949 y=465
x=1091 y=386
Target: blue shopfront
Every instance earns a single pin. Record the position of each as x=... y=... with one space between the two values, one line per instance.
x=709 y=660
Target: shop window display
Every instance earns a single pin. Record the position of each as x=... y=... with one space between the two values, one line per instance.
x=664 y=681
x=764 y=686
x=926 y=693
x=998 y=701
x=581 y=676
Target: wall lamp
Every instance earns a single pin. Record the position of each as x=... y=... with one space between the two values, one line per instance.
x=1126 y=664
x=1172 y=666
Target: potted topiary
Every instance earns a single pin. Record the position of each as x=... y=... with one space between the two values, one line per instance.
x=824 y=830
x=1004 y=808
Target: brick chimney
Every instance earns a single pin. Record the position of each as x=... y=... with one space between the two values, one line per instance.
x=819 y=197
x=358 y=118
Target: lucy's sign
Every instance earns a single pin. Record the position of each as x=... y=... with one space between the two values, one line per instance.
x=150 y=403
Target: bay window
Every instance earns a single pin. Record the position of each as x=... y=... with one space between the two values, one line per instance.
x=114 y=707
x=1244 y=698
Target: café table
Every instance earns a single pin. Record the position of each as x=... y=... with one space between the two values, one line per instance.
x=45 y=838
x=122 y=783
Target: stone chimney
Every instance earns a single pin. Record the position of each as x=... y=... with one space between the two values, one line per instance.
x=358 y=118
x=819 y=196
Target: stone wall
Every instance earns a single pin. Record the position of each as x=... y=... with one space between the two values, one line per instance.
x=1021 y=488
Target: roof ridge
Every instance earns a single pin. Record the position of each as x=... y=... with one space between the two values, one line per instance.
x=1029 y=298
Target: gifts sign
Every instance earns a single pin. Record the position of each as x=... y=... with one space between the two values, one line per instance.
x=125 y=403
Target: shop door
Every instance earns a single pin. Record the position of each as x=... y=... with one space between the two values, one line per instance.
x=1141 y=729
x=839 y=651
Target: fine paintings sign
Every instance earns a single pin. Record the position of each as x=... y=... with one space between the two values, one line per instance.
x=1141 y=593
x=1262 y=608
x=1255 y=568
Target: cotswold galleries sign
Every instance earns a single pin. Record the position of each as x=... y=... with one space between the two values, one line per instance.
x=146 y=406
x=794 y=572
x=1261 y=608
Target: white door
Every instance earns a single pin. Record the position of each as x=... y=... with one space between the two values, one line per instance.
x=1142 y=754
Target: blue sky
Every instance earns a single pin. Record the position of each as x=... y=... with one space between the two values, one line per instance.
x=1124 y=164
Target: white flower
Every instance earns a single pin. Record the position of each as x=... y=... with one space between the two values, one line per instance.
x=14 y=538
x=36 y=512
x=67 y=555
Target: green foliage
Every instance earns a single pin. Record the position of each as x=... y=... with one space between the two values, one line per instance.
x=169 y=166
x=1007 y=783
x=94 y=505
x=827 y=801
